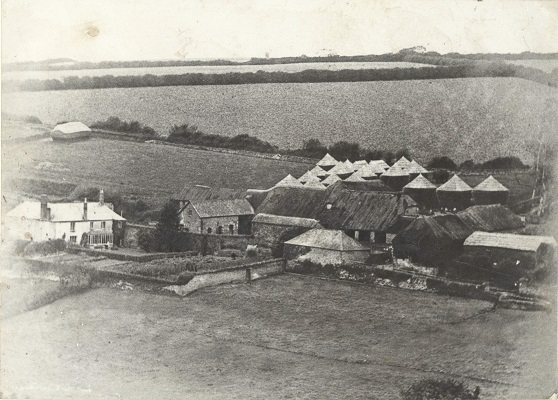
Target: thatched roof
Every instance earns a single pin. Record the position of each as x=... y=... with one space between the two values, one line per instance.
x=355 y=178
x=327 y=239
x=455 y=184
x=446 y=227
x=358 y=164
x=327 y=161
x=288 y=181
x=285 y=221
x=369 y=171
x=369 y=211
x=200 y=193
x=490 y=218
x=292 y=202
x=316 y=185
x=420 y=182
x=403 y=163
x=396 y=170
x=350 y=165
x=341 y=169
x=308 y=177
x=319 y=172
x=490 y=184
x=381 y=163
x=416 y=168
x=330 y=180
x=509 y=241
x=361 y=186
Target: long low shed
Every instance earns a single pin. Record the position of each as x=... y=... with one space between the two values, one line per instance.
x=526 y=252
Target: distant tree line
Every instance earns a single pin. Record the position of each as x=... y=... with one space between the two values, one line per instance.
x=508 y=162
x=117 y=125
x=69 y=64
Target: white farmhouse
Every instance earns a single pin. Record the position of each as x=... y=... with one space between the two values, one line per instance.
x=86 y=223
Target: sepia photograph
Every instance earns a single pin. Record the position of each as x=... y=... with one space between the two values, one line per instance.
x=241 y=199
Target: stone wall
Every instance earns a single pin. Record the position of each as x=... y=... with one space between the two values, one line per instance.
x=130 y=235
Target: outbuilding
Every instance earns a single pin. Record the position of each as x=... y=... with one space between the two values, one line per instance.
x=323 y=246
x=490 y=191
x=518 y=255
x=268 y=228
x=423 y=192
x=454 y=194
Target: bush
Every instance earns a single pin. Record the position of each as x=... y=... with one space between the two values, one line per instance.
x=146 y=240
x=433 y=389
x=440 y=175
x=44 y=248
x=116 y=125
x=442 y=162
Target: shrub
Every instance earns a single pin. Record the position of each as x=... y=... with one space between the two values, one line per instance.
x=146 y=240
x=433 y=389
x=45 y=248
x=442 y=162
x=116 y=125
x=440 y=175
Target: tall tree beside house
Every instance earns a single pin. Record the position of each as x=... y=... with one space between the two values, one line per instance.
x=167 y=235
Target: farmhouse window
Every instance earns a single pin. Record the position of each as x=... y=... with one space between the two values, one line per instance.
x=91 y=225
x=103 y=225
x=72 y=226
x=73 y=239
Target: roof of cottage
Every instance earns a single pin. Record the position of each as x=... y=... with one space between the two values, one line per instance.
x=65 y=212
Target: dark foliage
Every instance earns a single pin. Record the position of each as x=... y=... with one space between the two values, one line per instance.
x=509 y=162
x=343 y=150
x=442 y=162
x=167 y=237
x=44 y=248
x=433 y=389
x=117 y=125
x=440 y=176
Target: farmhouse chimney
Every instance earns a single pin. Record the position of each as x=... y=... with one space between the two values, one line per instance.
x=85 y=209
x=44 y=207
x=102 y=197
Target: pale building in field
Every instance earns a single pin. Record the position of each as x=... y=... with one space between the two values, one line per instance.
x=90 y=224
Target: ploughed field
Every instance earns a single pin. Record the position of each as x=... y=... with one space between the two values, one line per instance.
x=283 y=337
x=143 y=169
x=472 y=118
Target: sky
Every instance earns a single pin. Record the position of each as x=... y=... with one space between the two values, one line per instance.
x=87 y=30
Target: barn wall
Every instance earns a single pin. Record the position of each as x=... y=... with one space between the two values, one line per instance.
x=268 y=235
x=527 y=260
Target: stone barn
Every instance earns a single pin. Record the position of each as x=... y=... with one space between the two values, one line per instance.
x=268 y=228
x=221 y=217
x=324 y=246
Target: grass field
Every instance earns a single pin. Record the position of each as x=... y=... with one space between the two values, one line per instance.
x=543 y=65
x=146 y=170
x=283 y=337
x=472 y=118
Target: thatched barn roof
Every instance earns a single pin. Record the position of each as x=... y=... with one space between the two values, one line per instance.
x=308 y=177
x=316 y=185
x=396 y=170
x=358 y=164
x=292 y=202
x=355 y=178
x=341 y=169
x=490 y=218
x=319 y=172
x=330 y=180
x=416 y=168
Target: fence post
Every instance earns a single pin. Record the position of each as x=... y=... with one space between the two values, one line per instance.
x=249 y=275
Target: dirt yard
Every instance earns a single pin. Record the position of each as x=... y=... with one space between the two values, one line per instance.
x=283 y=337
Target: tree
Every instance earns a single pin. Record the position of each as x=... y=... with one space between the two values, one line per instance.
x=442 y=162
x=433 y=389
x=403 y=153
x=314 y=148
x=343 y=150
x=467 y=165
x=167 y=234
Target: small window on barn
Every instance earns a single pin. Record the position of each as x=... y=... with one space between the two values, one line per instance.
x=219 y=230
x=209 y=230
x=231 y=229
x=72 y=226
x=189 y=213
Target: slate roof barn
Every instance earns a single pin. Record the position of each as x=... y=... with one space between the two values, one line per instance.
x=490 y=191
x=454 y=194
x=325 y=246
x=423 y=192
